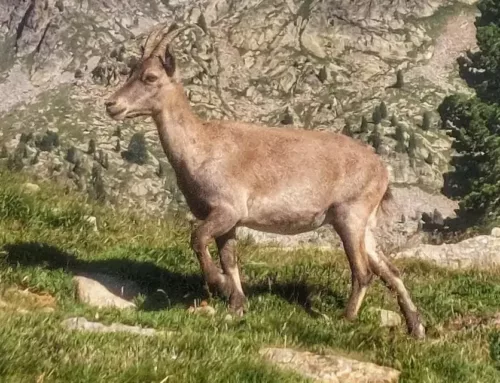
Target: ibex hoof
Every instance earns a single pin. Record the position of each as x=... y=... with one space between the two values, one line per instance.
x=418 y=331
x=237 y=303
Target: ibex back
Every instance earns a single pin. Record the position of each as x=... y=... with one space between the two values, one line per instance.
x=276 y=180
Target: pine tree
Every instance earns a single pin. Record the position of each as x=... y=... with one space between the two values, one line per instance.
x=322 y=75
x=376 y=115
x=429 y=159
x=92 y=147
x=394 y=120
x=364 y=125
x=118 y=132
x=347 y=130
x=473 y=123
x=400 y=139
x=35 y=158
x=375 y=138
x=137 y=151
x=161 y=169
x=105 y=163
x=399 y=79
x=383 y=110
x=4 y=152
x=98 y=190
x=412 y=145
x=426 y=121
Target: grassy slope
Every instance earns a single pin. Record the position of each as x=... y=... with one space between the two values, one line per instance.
x=45 y=238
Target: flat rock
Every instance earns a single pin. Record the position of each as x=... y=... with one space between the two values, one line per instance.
x=387 y=318
x=482 y=252
x=101 y=290
x=82 y=324
x=31 y=188
x=330 y=368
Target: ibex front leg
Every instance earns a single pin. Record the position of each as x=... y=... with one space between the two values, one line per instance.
x=218 y=223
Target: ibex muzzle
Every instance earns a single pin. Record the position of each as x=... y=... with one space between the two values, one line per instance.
x=277 y=180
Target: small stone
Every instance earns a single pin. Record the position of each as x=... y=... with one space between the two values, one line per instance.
x=202 y=309
x=92 y=221
x=495 y=232
x=388 y=318
x=101 y=290
x=31 y=188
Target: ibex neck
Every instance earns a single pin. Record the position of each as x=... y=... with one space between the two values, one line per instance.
x=179 y=130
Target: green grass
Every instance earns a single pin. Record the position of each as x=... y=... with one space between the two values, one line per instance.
x=296 y=299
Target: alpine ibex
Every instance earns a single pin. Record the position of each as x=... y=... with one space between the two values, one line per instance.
x=285 y=181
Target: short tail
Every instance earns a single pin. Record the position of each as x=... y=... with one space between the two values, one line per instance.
x=386 y=201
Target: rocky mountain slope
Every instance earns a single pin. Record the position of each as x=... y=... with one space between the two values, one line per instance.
x=316 y=64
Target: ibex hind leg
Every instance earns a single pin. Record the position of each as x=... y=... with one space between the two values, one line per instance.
x=389 y=274
x=350 y=223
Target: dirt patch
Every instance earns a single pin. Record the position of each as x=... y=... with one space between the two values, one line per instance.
x=468 y=322
x=24 y=301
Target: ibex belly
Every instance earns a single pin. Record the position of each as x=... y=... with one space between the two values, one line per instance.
x=285 y=218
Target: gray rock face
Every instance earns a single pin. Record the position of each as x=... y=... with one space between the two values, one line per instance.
x=102 y=290
x=482 y=252
x=319 y=64
x=329 y=368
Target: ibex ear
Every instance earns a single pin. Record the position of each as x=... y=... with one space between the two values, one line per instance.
x=169 y=62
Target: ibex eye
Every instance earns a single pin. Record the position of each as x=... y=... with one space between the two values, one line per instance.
x=151 y=78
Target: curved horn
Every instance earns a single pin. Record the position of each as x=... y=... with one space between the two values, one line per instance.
x=151 y=42
x=167 y=37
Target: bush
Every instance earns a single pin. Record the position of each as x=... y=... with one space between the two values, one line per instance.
x=495 y=349
x=48 y=142
x=73 y=155
x=137 y=151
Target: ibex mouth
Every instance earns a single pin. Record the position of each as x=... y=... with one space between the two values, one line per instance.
x=117 y=115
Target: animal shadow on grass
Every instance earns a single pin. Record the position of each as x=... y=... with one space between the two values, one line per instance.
x=162 y=288
x=151 y=279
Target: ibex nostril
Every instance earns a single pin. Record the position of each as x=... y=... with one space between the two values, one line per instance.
x=109 y=103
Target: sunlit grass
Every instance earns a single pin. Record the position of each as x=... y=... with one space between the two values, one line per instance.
x=295 y=299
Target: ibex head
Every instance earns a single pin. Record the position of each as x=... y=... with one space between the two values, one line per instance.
x=150 y=82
